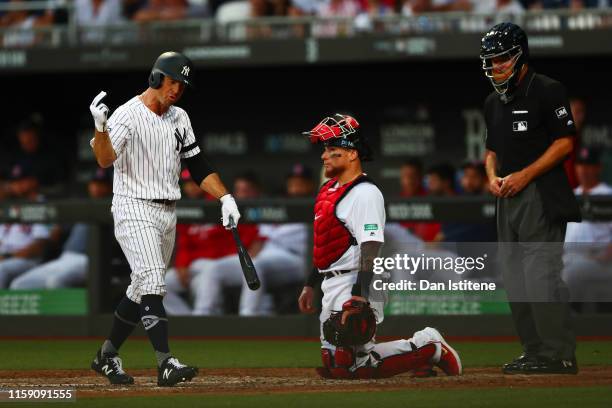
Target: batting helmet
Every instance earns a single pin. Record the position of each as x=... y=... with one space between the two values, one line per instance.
x=341 y=131
x=506 y=41
x=174 y=65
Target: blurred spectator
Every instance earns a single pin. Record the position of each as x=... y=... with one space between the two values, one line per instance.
x=572 y=4
x=97 y=14
x=156 y=10
x=197 y=246
x=587 y=267
x=339 y=8
x=336 y=8
x=70 y=269
x=300 y=182
x=372 y=10
x=20 y=24
x=21 y=245
x=31 y=156
x=411 y=178
x=474 y=178
x=501 y=7
x=412 y=7
x=473 y=183
x=304 y=7
x=225 y=272
x=411 y=184
x=441 y=180
x=282 y=260
x=264 y=8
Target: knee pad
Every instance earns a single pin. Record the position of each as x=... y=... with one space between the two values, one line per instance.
x=128 y=311
x=152 y=311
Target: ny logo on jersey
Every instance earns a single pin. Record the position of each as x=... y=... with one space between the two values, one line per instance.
x=185 y=70
x=180 y=138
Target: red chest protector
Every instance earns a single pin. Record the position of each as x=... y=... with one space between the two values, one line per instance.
x=331 y=237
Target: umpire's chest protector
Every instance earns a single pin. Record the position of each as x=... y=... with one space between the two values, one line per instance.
x=331 y=237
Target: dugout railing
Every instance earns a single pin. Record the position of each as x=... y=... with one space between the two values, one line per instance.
x=97 y=213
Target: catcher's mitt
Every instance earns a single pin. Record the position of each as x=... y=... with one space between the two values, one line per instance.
x=358 y=328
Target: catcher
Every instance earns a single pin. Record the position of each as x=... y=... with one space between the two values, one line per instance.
x=348 y=234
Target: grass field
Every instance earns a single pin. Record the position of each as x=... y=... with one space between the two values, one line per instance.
x=481 y=386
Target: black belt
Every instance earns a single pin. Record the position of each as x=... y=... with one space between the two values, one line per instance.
x=163 y=201
x=331 y=274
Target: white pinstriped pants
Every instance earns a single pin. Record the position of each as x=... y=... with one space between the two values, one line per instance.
x=145 y=231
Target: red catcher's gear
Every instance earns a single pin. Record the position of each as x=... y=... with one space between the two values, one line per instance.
x=331 y=237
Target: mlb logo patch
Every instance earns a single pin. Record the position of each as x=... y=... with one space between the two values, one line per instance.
x=519 y=126
x=561 y=112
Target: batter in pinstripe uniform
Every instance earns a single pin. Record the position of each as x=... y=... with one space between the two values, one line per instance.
x=145 y=139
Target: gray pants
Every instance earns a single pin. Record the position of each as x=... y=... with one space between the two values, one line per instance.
x=531 y=249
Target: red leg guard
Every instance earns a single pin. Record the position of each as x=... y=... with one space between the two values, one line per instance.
x=336 y=365
x=417 y=361
x=402 y=363
x=344 y=357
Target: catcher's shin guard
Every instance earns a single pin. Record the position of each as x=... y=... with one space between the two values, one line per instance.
x=416 y=361
x=336 y=365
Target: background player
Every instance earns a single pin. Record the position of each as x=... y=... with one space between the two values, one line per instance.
x=348 y=234
x=145 y=139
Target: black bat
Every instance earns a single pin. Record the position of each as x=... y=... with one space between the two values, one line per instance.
x=248 y=269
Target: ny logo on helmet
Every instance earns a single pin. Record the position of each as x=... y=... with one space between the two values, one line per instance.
x=185 y=70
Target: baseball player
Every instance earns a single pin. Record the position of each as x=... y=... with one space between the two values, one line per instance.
x=145 y=139
x=70 y=268
x=349 y=225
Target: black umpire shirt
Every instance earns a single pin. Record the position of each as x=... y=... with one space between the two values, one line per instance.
x=522 y=129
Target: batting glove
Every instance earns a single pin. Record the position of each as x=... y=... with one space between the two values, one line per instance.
x=99 y=111
x=229 y=209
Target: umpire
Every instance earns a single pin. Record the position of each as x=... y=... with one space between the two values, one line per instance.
x=530 y=131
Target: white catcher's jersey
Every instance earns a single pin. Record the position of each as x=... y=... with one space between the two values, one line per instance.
x=149 y=150
x=362 y=211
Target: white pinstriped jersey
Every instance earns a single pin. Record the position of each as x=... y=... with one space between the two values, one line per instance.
x=149 y=150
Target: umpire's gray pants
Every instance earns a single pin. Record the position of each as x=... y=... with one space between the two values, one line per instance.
x=531 y=267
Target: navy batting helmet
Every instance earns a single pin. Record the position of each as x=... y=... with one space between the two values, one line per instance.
x=508 y=42
x=174 y=65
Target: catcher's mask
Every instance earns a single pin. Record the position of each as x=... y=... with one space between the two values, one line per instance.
x=340 y=131
x=506 y=42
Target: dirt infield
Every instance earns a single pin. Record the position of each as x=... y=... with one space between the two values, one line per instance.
x=288 y=380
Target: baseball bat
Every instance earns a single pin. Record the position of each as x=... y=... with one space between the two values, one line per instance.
x=248 y=269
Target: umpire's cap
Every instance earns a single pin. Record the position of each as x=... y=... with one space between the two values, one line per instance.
x=174 y=65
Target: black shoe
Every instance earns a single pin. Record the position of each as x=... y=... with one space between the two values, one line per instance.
x=514 y=367
x=543 y=365
x=172 y=372
x=110 y=366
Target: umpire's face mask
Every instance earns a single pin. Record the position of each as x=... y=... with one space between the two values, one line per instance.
x=501 y=68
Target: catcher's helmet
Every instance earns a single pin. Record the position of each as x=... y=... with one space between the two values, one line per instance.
x=504 y=40
x=340 y=131
x=174 y=65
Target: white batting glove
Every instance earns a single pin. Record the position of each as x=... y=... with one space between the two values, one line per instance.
x=229 y=208
x=99 y=111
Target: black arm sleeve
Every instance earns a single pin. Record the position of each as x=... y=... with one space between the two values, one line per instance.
x=199 y=166
x=314 y=278
x=369 y=251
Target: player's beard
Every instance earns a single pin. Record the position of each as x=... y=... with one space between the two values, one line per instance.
x=332 y=172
